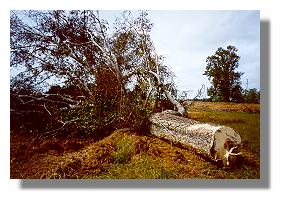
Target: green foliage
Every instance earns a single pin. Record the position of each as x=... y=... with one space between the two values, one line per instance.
x=237 y=94
x=96 y=67
x=252 y=96
x=221 y=71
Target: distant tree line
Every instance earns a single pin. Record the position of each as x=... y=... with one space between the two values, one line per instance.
x=251 y=96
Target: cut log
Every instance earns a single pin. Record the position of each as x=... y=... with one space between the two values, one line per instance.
x=219 y=143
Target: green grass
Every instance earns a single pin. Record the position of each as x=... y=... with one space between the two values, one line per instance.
x=142 y=166
x=124 y=151
x=128 y=155
x=248 y=126
x=129 y=165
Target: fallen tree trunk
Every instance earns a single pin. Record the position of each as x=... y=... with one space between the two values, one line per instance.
x=219 y=143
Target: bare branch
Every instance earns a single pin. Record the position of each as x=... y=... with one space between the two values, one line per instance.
x=181 y=110
x=58 y=129
x=47 y=109
x=24 y=111
x=199 y=93
x=71 y=103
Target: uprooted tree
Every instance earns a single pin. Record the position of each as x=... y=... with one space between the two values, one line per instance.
x=78 y=51
x=71 y=72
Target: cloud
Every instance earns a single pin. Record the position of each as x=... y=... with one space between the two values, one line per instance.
x=186 y=38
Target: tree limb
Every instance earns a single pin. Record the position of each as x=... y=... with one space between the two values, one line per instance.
x=58 y=129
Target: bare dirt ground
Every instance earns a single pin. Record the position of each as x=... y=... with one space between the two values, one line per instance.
x=125 y=154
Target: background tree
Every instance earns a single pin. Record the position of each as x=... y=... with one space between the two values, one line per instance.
x=84 y=72
x=252 y=96
x=221 y=71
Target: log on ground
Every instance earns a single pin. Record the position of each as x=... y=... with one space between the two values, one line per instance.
x=219 y=143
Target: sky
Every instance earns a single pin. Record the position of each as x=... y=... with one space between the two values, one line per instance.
x=187 y=38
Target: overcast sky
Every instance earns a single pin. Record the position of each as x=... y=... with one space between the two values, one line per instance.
x=186 y=38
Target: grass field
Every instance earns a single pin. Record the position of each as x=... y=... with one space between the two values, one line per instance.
x=124 y=154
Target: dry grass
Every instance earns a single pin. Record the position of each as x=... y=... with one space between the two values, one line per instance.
x=124 y=154
x=225 y=106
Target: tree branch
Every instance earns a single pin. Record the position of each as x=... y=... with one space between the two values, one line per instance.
x=181 y=110
x=58 y=129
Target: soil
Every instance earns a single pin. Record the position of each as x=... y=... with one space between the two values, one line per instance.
x=76 y=158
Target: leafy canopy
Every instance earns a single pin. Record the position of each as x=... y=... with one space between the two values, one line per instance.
x=221 y=71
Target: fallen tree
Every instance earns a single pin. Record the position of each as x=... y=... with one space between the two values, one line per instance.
x=76 y=50
x=72 y=68
x=219 y=143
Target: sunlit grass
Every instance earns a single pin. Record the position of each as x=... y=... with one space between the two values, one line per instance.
x=141 y=166
x=246 y=124
x=128 y=155
x=170 y=162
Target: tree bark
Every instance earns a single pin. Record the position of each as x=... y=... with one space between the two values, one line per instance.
x=219 y=143
x=180 y=109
